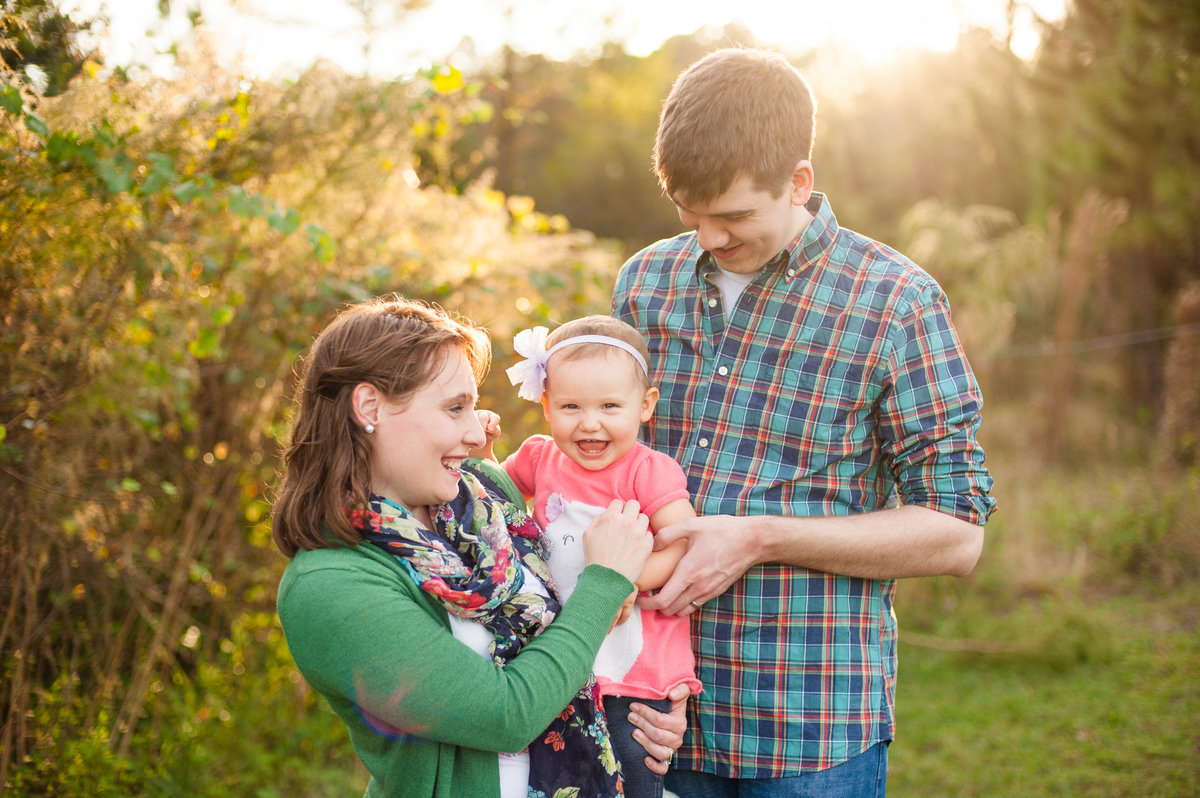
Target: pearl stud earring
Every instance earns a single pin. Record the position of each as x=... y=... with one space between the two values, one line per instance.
x=369 y=428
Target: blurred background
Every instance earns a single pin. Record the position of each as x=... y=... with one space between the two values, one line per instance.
x=190 y=190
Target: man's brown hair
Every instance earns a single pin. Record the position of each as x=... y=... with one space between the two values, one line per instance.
x=736 y=112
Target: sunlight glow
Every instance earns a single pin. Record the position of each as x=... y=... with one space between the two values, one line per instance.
x=269 y=37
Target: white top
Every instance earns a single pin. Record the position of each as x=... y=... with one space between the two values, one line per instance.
x=514 y=768
x=731 y=285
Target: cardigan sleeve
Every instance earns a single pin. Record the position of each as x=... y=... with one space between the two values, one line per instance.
x=381 y=652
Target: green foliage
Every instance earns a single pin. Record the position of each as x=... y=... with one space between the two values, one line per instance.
x=165 y=264
x=241 y=722
x=41 y=42
x=578 y=135
x=988 y=264
x=170 y=248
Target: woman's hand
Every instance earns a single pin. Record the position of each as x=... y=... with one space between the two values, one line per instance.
x=661 y=734
x=619 y=539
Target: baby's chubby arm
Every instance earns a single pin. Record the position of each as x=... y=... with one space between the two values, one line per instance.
x=662 y=562
x=491 y=429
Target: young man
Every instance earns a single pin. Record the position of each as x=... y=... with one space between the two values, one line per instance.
x=815 y=392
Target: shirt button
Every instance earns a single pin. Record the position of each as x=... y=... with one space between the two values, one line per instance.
x=723 y=371
x=791 y=272
x=703 y=443
x=712 y=303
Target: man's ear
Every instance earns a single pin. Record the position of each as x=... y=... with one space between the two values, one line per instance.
x=366 y=402
x=802 y=183
x=649 y=400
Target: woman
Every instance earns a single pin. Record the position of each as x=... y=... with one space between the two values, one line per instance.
x=416 y=601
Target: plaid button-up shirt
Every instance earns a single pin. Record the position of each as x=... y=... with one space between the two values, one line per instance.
x=836 y=386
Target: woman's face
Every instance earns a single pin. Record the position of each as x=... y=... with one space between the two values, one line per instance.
x=419 y=444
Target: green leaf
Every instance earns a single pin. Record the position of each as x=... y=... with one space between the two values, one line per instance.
x=324 y=247
x=221 y=316
x=284 y=222
x=36 y=125
x=3 y=433
x=245 y=205
x=190 y=190
x=10 y=99
x=130 y=484
x=117 y=172
x=162 y=174
x=205 y=344
x=61 y=147
x=146 y=419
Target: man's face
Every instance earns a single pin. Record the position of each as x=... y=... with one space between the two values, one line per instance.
x=746 y=227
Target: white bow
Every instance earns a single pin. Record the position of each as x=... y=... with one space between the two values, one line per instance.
x=530 y=373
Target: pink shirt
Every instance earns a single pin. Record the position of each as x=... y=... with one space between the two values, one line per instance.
x=650 y=653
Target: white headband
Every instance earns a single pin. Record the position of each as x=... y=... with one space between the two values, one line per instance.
x=530 y=373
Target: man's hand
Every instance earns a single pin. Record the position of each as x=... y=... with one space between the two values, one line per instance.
x=661 y=734
x=720 y=549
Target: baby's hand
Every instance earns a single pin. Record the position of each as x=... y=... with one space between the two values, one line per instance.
x=490 y=422
x=626 y=611
x=491 y=430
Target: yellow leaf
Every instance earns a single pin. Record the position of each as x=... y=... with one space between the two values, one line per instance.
x=519 y=206
x=447 y=79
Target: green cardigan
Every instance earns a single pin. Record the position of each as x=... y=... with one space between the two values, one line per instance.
x=372 y=643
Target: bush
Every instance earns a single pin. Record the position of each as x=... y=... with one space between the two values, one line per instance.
x=163 y=270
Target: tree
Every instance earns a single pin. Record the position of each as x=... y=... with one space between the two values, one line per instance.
x=41 y=43
x=1119 y=111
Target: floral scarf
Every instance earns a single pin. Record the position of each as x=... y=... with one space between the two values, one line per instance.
x=472 y=564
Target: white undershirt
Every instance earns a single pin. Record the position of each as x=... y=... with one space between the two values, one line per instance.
x=514 y=768
x=731 y=285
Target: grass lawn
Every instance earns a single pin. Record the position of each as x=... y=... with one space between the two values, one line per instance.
x=1107 y=704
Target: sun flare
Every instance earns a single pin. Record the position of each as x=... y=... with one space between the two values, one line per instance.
x=272 y=36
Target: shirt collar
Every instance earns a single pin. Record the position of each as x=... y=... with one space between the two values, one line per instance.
x=805 y=249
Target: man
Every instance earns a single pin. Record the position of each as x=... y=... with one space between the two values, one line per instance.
x=815 y=392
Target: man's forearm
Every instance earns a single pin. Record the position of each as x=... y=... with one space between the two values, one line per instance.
x=886 y=544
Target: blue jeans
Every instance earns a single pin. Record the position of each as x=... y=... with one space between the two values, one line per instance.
x=640 y=781
x=864 y=776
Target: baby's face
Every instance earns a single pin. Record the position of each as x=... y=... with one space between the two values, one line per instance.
x=596 y=405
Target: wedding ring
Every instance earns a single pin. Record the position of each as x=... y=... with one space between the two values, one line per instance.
x=694 y=604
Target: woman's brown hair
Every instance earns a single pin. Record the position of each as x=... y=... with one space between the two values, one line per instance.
x=395 y=344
